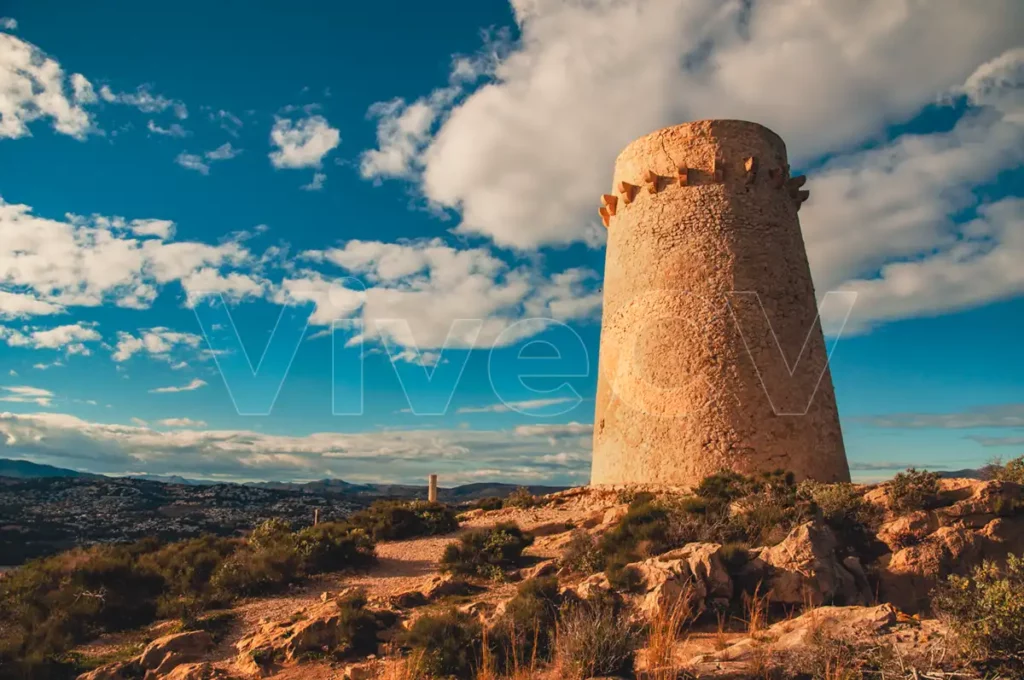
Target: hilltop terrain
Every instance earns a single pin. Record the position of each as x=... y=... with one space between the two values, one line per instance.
x=739 y=578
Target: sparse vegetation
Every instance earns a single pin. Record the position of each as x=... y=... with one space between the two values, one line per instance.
x=581 y=554
x=596 y=638
x=525 y=633
x=398 y=520
x=1013 y=471
x=913 y=490
x=445 y=645
x=520 y=498
x=486 y=552
x=49 y=605
x=987 y=612
x=843 y=508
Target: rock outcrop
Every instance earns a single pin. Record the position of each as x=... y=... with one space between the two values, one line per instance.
x=804 y=569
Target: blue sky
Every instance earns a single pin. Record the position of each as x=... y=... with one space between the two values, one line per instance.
x=169 y=175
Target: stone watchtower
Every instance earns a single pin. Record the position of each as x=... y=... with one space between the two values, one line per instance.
x=711 y=353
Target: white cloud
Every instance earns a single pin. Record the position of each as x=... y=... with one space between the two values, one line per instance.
x=993 y=416
x=201 y=164
x=33 y=87
x=385 y=456
x=181 y=422
x=162 y=229
x=195 y=384
x=518 y=406
x=91 y=261
x=20 y=394
x=8 y=24
x=172 y=130
x=159 y=343
x=45 y=367
x=418 y=290
x=524 y=157
x=70 y=338
x=317 y=183
x=144 y=100
x=191 y=161
x=302 y=143
x=223 y=152
x=18 y=305
x=881 y=222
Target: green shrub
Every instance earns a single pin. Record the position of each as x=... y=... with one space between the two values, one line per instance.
x=397 y=520
x=913 y=490
x=52 y=604
x=1012 y=471
x=525 y=631
x=356 y=632
x=520 y=498
x=596 y=638
x=987 y=613
x=581 y=554
x=450 y=642
x=334 y=546
x=724 y=487
x=625 y=578
x=488 y=504
x=486 y=552
x=843 y=508
x=640 y=533
x=186 y=568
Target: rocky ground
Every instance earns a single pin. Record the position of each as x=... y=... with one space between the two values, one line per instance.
x=885 y=597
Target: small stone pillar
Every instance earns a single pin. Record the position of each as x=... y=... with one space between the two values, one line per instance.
x=432 y=489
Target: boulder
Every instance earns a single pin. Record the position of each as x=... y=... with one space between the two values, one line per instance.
x=984 y=501
x=164 y=654
x=907 y=576
x=805 y=570
x=858 y=622
x=907 y=530
x=316 y=629
x=545 y=568
x=445 y=585
x=694 y=573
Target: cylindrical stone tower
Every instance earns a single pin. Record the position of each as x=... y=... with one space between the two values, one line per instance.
x=712 y=355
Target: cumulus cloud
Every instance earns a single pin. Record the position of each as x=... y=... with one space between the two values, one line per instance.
x=386 y=456
x=172 y=130
x=889 y=212
x=317 y=183
x=415 y=293
x=181 y=422
x=201 y=163
x=302 y=143
x=50 y=264
x=69 y=338
x=195 y=384
x=18 y=305
x=144 y=100
x=524 y=156
x=33 y=87
x=21 y=394
x=159 y=343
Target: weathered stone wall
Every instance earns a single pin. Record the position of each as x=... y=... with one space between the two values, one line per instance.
x=704 y=252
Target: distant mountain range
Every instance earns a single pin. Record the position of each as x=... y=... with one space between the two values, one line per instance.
x=23 y=469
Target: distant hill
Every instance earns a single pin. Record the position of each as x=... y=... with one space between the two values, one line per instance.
x=23 y=469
